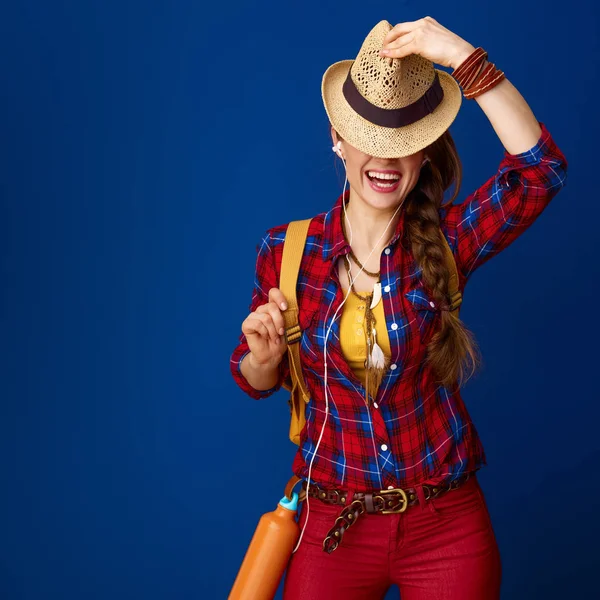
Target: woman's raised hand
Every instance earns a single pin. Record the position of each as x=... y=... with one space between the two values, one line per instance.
x=429 y=39
x=264 y=329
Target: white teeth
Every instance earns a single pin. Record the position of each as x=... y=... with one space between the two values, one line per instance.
x=377 y=175
x=384 y=185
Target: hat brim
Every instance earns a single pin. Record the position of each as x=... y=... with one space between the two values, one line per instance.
x=386 y=142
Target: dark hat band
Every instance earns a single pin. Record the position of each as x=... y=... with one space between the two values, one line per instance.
x=394 y=117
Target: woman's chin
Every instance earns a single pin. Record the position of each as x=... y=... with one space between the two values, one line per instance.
x=382 y=201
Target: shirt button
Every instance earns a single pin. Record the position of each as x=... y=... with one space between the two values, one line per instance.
x=393 y=366
x=387 y=288
x=390 y=487
x=394 y=326
x=384 y=447
x=375 y=405
x=387 y=250
x=432 y=304
x=359 y=332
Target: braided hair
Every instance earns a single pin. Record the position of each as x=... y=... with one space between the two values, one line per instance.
x=452 y=352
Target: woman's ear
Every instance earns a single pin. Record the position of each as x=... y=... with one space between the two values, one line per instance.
x=337 y=143
x=334 y=136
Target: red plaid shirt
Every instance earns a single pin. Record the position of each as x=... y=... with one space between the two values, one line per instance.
x=416 y=431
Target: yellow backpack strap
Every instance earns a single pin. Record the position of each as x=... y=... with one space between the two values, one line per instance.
x=293 y=249
x=454 y=295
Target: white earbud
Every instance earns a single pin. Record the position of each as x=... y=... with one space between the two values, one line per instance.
x=425 y=161
x=337 y=149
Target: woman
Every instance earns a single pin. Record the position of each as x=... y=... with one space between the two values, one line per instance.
x=383 y=351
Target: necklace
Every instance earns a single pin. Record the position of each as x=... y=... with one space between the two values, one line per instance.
x=352 y=253
x=368 y=299
x=376 y=363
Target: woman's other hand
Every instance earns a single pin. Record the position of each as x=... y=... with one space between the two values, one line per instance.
x=264 y=330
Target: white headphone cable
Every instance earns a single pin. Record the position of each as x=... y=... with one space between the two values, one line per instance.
x=336 y=149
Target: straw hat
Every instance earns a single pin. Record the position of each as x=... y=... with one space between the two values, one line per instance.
x=389 y=107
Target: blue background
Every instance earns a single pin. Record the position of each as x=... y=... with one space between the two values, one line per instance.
x=146 y=146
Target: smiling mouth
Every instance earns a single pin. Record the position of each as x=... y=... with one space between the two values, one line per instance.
x=384 y=181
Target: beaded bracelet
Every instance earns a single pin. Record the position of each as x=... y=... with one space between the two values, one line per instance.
x=476 y=75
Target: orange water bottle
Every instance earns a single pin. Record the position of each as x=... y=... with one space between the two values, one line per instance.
x=269 y=553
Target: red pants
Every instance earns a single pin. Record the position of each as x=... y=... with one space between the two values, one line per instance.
x=444 y=550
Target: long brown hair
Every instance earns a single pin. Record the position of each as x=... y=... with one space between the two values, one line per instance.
x=452 y=352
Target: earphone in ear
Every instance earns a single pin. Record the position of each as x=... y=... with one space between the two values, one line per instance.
x=425 y=161
x=338 y=149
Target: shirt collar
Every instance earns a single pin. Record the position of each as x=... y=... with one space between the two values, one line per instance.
x=334 y=243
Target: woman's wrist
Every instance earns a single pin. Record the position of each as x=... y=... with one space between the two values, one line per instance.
x=259 y=376
x=264 y=367
x=461 y=55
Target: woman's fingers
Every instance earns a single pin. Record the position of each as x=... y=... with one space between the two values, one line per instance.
x=427 y=38
x=277 y=303
x=255 y=324
x=401 y=47
x=273 y=309
x=276 y=295
x=252 y=325
x=399 y=30
x=267 y=321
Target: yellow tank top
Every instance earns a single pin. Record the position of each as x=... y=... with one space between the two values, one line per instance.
x=353 y=337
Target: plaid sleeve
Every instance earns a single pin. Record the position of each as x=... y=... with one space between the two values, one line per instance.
x=499 y=211
x=265 y=278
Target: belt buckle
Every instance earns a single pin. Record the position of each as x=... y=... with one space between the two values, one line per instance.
x=404 y=505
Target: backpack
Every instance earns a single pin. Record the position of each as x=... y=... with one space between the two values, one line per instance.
x=293 y=249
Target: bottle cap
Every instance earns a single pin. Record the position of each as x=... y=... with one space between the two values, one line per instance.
x=290 y=504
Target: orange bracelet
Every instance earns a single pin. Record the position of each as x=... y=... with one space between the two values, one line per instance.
x=476 y=75
x=466 y=77
x=489 y=77
x=482 y=87
x=464 y=68
x=486 y=69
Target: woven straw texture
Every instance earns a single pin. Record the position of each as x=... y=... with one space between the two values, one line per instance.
x=388 y=83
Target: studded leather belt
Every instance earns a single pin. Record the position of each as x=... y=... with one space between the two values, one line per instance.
x=395 y=500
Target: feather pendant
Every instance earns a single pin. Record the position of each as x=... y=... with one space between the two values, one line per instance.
x=377 y=365
x=377 y=358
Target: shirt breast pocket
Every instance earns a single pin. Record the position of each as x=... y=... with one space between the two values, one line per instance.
x=425 y=310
